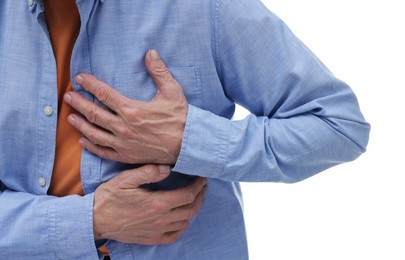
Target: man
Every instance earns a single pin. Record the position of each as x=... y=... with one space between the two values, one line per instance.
x=156 y=84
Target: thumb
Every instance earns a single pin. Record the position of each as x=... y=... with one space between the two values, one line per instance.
x=159 y=72
x=132 y=179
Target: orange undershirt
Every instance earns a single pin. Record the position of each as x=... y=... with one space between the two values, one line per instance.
x=63 y=21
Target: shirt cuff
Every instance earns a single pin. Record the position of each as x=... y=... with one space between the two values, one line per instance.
x=204 y=149
x=71 y=227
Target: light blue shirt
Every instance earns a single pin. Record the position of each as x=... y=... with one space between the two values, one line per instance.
x=223 y=52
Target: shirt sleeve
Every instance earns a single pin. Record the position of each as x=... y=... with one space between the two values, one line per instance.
x=304 y=120
x=46 y=227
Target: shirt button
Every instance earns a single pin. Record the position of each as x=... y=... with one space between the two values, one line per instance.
x=30 y=2
x=42 y=181
x=48 y=110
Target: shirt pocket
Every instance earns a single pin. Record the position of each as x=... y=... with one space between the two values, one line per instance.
x=140 y=86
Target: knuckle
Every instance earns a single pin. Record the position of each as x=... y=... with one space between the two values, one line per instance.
x=143 y=176
x=183 y=226
x=91 y=82
x=186 y=224
x=132 y=113
x=151 y=210
x=151 y=169
x=163 y=73
x=158 y=208
x=159 y=224
x=101 y=153
x=161 y=69
x=102 y=94
x=126 y=133
x=92 y=113
x=190 y=213
x=93 y=137
x=189 y=197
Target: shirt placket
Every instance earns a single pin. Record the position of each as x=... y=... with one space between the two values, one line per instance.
x=81 y=63
x=47 y=104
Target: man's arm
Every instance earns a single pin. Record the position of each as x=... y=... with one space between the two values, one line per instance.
x=304 y=120
x=48 y=227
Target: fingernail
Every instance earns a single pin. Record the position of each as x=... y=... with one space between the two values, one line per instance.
x=81 y=141
x=79 y=79
x=164 y=169
x=71 y=119
x=67 y=97
x=154 y=55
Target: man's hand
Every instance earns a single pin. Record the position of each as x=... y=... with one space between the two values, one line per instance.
x=127 y=213
x=137 y=132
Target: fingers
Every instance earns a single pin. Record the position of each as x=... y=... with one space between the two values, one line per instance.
x=136 y=215
x=94 y=113
x=96 y=140
x=160 y=74
x=132 y=179
x=102 y=91
x=176 y=226
x=188 y=212
x=179 y=220
x=94 y=134
x=157 y=68
x=100 y=150
x=183 y=196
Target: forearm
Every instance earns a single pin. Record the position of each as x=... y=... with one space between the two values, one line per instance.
x=46 y=227
x=304 y=120
x=259 y=148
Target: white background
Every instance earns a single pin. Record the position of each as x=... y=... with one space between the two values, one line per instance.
x=355 y=210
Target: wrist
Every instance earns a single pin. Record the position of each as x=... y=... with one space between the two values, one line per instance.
x=97 y=219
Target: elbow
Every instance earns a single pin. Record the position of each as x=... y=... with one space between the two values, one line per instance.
x=339 y=147
x=348 y=138
x=359 y=137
